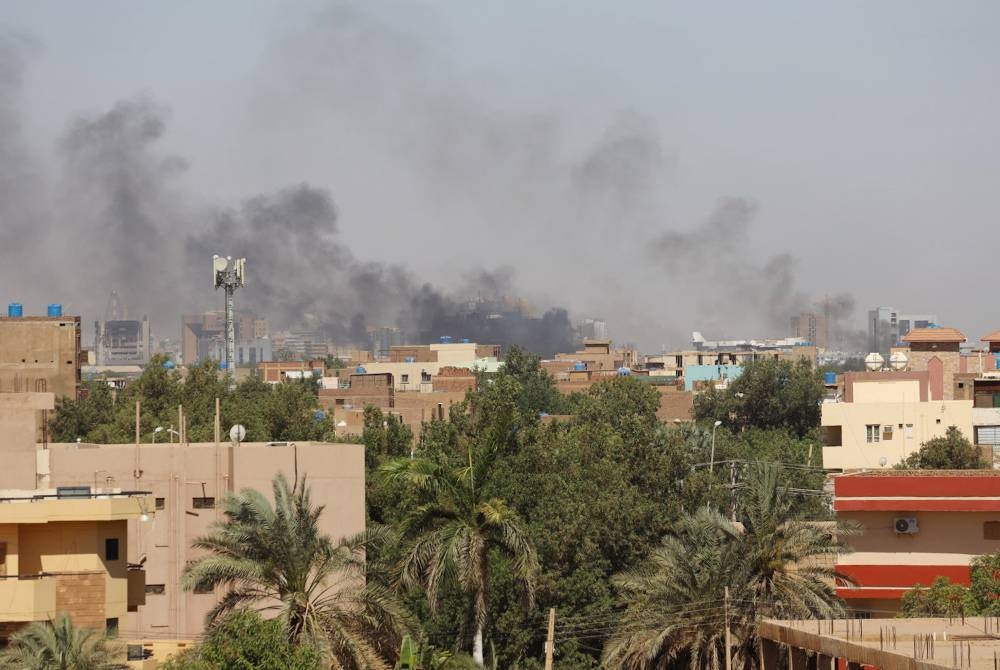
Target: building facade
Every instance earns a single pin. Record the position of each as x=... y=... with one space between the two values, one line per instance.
x=917 y=525
x=883 y=417
x=887 y=326
x=40 y=354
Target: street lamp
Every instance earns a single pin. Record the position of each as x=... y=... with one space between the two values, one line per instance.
x=157 y=431
x=711 y=465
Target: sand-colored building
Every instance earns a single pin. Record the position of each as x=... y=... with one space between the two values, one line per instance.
x=62 y=549
x=188 y=483
x=883 y=417
x=917 y=525
x=40 y=354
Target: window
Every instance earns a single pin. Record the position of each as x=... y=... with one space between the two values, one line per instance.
x=909 y=431
x=203 y=503
x=404 y=378
x=887 y=432
x=111 y=549
x=111 y=626
x=161 y=503
x=937 y=420
x=872 y=431
x=991 y=530
x=425 y=377
x=156 y=589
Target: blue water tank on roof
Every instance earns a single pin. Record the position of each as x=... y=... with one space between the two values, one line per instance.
x=579 y=366
x=15 y=310
x=624 y=371
x=446 y=339
x=55 y=310
x=360 y=371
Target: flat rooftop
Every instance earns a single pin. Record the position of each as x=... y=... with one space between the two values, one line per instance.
x=896 y=644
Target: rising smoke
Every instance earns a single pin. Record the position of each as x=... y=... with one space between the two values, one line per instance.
x=581 y=225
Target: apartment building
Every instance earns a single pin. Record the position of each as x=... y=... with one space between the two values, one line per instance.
x=882 y=417
x=63 y=549
x=188 y=483
x=917 y=525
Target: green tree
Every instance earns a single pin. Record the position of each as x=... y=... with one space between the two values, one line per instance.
x=58 y=645
x=953 y=451
x=452 y=533
x=675 y=600
x=985 y=584
x=274 y=558
x=941 y=599
x=768 y=394
x=245 y=640
x=538 y=391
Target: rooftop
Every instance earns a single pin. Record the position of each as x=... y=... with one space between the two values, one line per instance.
x=992 y=337
x=922 y=473
x=895 y=644
x=934 y=335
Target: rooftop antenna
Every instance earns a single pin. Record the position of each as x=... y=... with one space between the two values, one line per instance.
x=229 y=274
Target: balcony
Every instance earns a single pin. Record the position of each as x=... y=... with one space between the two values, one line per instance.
x=27 y=599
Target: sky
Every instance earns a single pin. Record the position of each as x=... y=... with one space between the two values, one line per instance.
x=711 y=166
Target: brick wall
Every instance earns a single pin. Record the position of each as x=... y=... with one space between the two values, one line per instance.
x=951 y=362
x=82 y=596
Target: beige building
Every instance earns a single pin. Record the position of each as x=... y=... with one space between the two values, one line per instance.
x=62 y=549
x=883 y=417
x=40 y=354
x=598 y=356
x=188 y=482
x=413 y=367
x=936 y=351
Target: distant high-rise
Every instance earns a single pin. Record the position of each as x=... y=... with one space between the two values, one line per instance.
x=887 y=326
x=122 y=342
x=592 y=329
x=811 y=327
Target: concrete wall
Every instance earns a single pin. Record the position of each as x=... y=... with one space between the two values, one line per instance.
x=20 y=414
x=39 y=354
x=921 y=421
x=176 y=475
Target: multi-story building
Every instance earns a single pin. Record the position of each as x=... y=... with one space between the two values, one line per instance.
x=811 y=327
x=598 y=355
x=203 y=336
x=188 y=483
x=883 y=417
x=917 y=525
x=40 y=354
x=122 y=342
x=887 y=326
x=413 y=367
x=63 y=549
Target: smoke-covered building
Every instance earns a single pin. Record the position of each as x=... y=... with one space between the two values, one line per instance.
x=203 y=337
x=811 y=327
x=122 y=342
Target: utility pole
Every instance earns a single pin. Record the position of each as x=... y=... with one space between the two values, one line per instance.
x=550 y=640
x=729 y=643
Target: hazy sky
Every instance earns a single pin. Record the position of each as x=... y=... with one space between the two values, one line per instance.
x=589 y=147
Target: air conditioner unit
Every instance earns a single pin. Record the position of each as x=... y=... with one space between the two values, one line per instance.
x=905 y=525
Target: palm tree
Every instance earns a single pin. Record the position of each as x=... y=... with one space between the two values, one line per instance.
x=275 y=559
x=451 y=535
x=58 y=645
x=711 y=570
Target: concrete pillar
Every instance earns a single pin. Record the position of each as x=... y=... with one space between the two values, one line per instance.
x=769 y=651
x=797 y=659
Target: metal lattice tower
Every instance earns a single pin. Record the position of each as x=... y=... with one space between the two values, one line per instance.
x=229 y=275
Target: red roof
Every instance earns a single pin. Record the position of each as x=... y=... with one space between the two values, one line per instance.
x=934 y=335
x=992 y=337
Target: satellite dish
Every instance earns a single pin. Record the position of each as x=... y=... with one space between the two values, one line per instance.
x=874 y=361
x=237 y=433
x=219 y=263
x=882 y=461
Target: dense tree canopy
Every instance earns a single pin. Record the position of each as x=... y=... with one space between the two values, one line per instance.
x=770 y=393
x=285 y=411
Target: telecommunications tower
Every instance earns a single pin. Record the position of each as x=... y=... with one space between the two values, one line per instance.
x=229 y=274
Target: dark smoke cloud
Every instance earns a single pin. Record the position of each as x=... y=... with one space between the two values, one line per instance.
x=21 y=214
x=715 y=263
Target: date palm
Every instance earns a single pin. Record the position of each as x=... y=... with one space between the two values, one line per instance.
x=58 y=645
x=450 y=536
x=275 y=559
x=710 y=570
